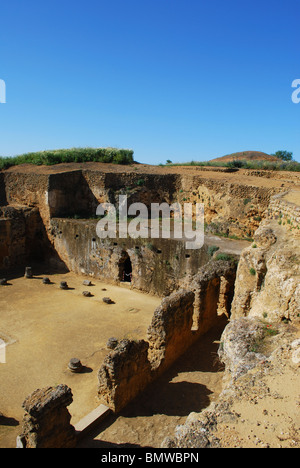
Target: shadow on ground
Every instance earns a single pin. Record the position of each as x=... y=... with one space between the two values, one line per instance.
x=169 y=397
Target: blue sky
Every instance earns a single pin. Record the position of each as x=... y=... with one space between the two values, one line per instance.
x=171 y=79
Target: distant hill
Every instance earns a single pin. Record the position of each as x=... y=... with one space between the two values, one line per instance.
x=246 y=156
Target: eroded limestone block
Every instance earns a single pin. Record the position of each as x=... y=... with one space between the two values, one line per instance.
x=112 y=343
x=239 y=348
x=265 y=237
x=46 y=422
x=169 y=333
x=124 y=374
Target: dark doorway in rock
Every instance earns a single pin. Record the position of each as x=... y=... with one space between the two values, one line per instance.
x=125 y=268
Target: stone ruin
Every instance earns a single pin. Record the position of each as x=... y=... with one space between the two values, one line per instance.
x=46 y=422
x=47 y=226
x=132 y=365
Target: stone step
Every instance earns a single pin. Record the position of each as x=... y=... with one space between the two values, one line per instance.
x=89 y=422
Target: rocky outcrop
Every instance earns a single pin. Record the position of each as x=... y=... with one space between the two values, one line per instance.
x=259 y=348
x=131 y=366
x=268 y=275
x=214 y=288
x=22 y=236
x=283 y=208
x=232 y=207
x=125 y=372
x=46 y=422
x=242 y=346
x=257 y=408
x=158 y=265
x=170 y=334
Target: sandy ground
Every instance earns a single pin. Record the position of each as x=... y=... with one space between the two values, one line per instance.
x=46 y=327
x=265 y=407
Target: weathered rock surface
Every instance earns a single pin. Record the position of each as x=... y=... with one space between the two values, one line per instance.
x=268 y=276
x=46 y=423
x=169 y=333
x=259 y=405
x=75 y=365
x=239 y=346
x=125 y=372
x=131 y=366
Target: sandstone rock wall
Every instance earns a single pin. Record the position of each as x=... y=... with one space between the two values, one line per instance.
x=233 y=209
x=268 y=276
x=139 y=187
x=214 y=288
x=258 y=405
x=125 y=373
x=131 y=366
x=28 y=190
x=22 y=236
x=46 y=422
x=170 y=332
x=285 y=211
x=69 y=194
x=158 y=265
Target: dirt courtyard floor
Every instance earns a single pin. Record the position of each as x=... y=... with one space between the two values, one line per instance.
x=44 y=327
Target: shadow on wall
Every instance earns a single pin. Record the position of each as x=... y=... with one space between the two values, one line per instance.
x=3 y=199
x=39 y=247
x=164 y=396
x=133 y=365
x=70 y=195
x=24 y=240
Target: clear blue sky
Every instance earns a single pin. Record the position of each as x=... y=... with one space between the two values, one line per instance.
x=171 y=79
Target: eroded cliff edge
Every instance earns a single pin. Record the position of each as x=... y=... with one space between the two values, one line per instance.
x=260 y=347
x=259 y=405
